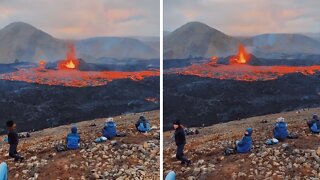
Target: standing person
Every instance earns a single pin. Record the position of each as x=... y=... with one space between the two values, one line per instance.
x=180 y=139
x=13 y=140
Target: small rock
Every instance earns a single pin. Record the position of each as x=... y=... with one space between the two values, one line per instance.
x=196 y=171
x=318 y=151
x=241 y=174
x=16 y=176
x=145 y=145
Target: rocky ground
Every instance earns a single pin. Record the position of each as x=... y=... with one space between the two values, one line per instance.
x=135 y=156
x=292 y=159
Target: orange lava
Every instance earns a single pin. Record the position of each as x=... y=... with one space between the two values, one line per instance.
x=243 y=72
x=42 y=64
x=74 y=78
x=71 y=62
x=242 y=57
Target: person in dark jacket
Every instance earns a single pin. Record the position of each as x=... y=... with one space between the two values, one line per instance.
x=142 y=125
x=245 y=144
x=180 y=139
x=313 y=120
x=73 y=139
x=280 y=130
x=13 y=140
x=314 y=124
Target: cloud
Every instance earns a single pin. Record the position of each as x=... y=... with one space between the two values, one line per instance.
x=245 y=17
x=85 y=18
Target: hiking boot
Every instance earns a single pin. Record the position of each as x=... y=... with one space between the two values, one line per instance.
x=21 y=159
x=188 y=163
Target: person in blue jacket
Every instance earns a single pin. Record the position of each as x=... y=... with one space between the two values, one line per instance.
x=73 y=139
x=245 y=144
x=3 y=171
x=109 y=131
x=314 y=124
x=280 y=130
x=315 y=128
x=142 y=125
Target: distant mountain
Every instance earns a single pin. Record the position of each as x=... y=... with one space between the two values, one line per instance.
x=153 y=41
x=114 y=47
x=315 y=36
x=269 y=45
x=24 y=42
x=198 y=39
x=166 y=33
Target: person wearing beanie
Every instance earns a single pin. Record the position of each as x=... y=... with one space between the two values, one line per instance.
x=180 y=139
x=280 y=130
x=73 y=139
x=13 y=140
x=142 y=125
x=110 y=129
x=314 y=124
x=245 y=144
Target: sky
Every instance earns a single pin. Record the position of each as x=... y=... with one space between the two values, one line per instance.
x=245 y=17
x=78 y=19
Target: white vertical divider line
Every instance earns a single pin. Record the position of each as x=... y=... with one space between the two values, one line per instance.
x=161 y=89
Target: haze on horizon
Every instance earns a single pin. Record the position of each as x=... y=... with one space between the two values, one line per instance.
x=245 y=17
x=85 y=18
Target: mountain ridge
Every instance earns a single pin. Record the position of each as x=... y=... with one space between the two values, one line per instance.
x=25 y=42
x=196 y=39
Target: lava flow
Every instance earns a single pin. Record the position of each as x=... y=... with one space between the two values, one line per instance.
x=239 y=69
x=68 y=74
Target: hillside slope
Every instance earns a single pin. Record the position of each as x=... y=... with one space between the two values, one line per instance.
x=292 y=159
x=24 y=42
x=198 y=40
x=136 y=156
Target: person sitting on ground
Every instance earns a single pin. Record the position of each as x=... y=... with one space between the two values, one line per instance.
x=73 y=139
x=245 y=144
x=142 y=125
x=3 y=171
x=314 y=124
x=313 y=120
x=109 y=131
x=280 y=130
x=13 y=140
x=180 y=139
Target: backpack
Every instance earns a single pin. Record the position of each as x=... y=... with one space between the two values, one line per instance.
x=228 y=151
x=73 y=142
x=144 y=127
x=110 y=130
